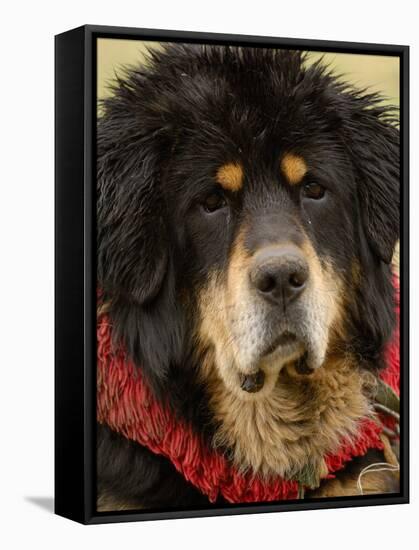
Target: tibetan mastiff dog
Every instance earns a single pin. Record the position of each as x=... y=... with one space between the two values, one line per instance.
x=247 y=215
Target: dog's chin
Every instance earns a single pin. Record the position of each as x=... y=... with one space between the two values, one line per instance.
x=257 y=382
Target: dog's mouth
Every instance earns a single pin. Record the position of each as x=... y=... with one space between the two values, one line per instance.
x=287 y=344
x=285 y=339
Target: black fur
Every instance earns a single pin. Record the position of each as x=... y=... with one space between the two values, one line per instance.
x=129 y=473
x=160 y=139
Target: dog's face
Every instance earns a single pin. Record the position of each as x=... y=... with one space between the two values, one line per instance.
x=251 y=206
x=264 y=235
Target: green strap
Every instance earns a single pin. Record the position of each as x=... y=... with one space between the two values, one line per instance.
x=387 y=397
x=308 y=477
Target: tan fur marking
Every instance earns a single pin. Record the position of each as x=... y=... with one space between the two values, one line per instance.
x=301 y=420
x=103 y=309
x=294 y=168
x=333 y=297
x=109 y=503
x=230 y=176
x=356 y=272
x=388 y=451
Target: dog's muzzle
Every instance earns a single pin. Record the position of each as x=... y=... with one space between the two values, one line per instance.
x=279 y=275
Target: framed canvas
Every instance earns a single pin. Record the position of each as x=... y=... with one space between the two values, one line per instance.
x=231 y=274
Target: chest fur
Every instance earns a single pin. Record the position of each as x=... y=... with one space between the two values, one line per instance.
x=297 y=424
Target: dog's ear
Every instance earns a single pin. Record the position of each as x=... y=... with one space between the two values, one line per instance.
x=374 y=145
x=132 y=235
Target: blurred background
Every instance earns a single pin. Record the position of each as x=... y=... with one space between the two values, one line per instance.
x=376 y=73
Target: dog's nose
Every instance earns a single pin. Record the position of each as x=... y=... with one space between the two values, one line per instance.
x=279 y=274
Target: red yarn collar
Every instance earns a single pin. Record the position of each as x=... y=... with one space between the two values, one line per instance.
x=126 y=404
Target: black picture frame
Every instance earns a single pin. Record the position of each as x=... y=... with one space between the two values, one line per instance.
x=75 y=282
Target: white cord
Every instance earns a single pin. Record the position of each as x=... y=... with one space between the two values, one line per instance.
x=383 y=467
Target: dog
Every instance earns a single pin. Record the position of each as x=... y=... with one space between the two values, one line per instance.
x=247 y=214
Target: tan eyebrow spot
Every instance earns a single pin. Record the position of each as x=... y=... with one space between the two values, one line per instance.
x=230 y=176
x=294 y=168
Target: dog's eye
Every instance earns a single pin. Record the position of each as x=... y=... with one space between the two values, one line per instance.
x=313 y=191
x=213 y=202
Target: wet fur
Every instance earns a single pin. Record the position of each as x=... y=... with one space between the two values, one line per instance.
x=157 y=139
